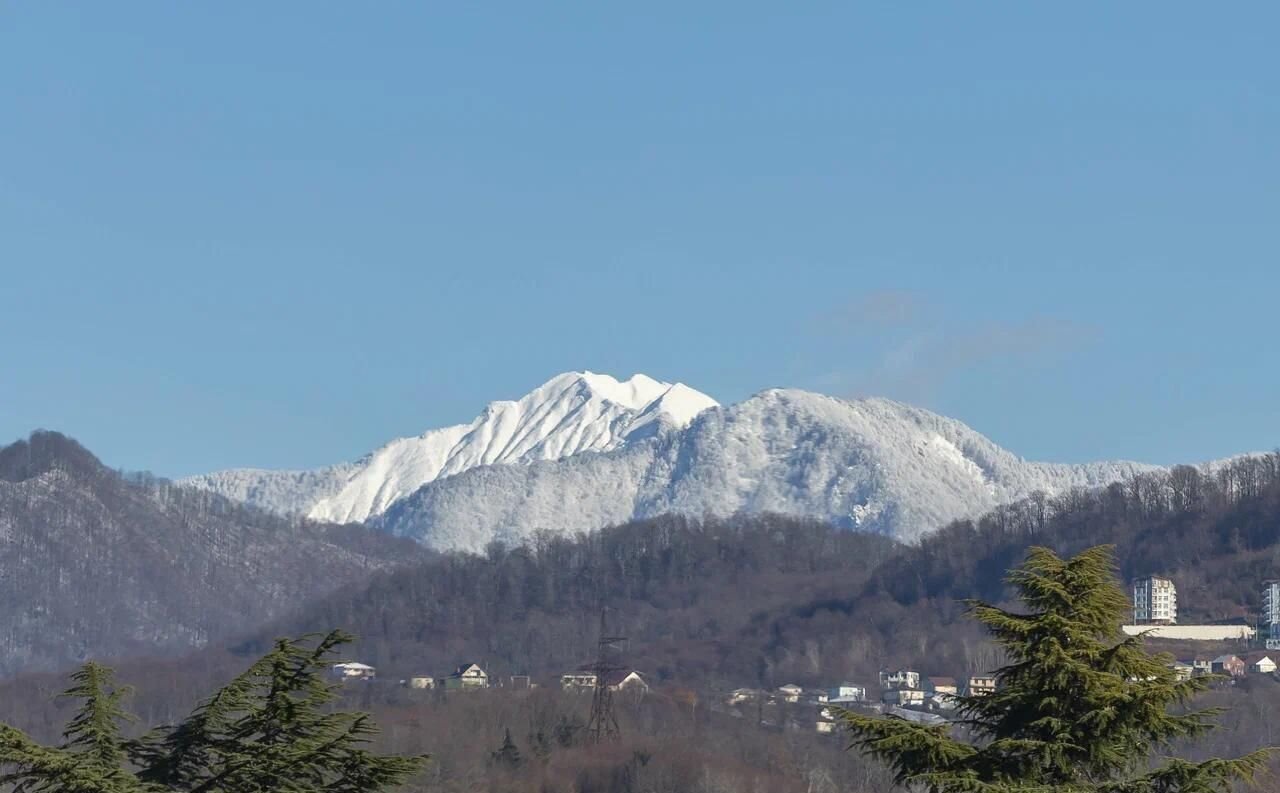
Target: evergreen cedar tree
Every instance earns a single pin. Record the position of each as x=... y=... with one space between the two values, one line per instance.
x=1080 y=709
x=270 y=729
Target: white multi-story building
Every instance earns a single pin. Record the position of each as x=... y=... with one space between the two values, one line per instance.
x=1155 y=599
x=1270 y=626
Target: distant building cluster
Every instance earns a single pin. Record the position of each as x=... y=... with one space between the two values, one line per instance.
x=466 y=676
x=1155 y=603
x=904 y=693
x=473 y=677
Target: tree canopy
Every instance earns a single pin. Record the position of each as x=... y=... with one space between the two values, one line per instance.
x=1079 y=708
x=269 y=729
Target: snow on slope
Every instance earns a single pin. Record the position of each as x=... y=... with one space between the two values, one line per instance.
x=873 y=464
x=571 y=413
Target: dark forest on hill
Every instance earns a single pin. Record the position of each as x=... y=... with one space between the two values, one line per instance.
x=715 y=604
x=765 y=600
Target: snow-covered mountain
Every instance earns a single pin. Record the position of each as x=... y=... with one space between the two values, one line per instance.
x=571 y=413
x=872 y=464
x=584 y=450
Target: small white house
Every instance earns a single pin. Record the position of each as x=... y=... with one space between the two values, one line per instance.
x=419 y=682
x=845 y=692
x=467 y=676
x=981 y=685
x=626 y=680
x=1263 y=665
x=617 y=680
x=901 y=678
x=352 y=670
x=825 y=727
x=790 y=692
x=905 y=697
x=740 y=695
x=577 y=681
x=1182 y=671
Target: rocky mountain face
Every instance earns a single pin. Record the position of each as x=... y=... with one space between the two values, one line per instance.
x=96 y=564
x=569 y=414
x=872 y=464
x=584 y=451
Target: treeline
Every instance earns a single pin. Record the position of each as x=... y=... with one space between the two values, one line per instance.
x=765 y=600
x=671 y=742
x=96 y=564
x=715 y=604
x=1215 y=531
x=693 y=596
x=495 y=740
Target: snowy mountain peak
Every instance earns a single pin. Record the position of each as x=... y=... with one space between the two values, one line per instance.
x=520 y=466
x=871 y=464
x=570 y=413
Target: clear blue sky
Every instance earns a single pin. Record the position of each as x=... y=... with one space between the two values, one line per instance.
x=279 y=234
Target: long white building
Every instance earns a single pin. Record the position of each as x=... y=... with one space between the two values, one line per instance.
x=1155 y=599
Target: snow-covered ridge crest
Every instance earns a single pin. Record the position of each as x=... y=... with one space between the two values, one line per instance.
x=570 y=413
x=870 y=464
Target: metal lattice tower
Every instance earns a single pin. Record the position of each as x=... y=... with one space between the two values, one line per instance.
x=603 y=724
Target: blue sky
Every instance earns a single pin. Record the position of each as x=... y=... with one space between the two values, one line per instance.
x=278 y=234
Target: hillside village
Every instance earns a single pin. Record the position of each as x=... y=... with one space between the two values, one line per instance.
x=902 y=692
x=473 y=677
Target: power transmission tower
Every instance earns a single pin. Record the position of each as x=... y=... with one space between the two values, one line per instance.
x=603 y=724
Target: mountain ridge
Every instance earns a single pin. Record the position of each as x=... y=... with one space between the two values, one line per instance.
x=97 y=563
x=585 y=450
x=569 y=414
x=870 y=464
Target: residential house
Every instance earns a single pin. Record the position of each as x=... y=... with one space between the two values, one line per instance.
x=352 y=670
x=467 y=677
x=790 y=692
x=902 y=678
x=941 y=685
x=617 y=680
x=581 y=679
x=740 y=695
x=981 y=685
x=825 y=727
x=942 y=691
x=626 y=680
x=1261 y=663
x=845 y=692
x=1183 y=671
x=1201 y=667
x=1228 y=665
x=905 y=697
x=420 y=682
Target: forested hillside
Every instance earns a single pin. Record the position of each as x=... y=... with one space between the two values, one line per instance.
x=717 y=604
x=97 y=564
x=694 y=596
x=765 y=600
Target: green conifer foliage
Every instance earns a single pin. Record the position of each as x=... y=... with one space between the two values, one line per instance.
x=1081 y=708
x=270 y=729
x=507 y=755
x=92 y=756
